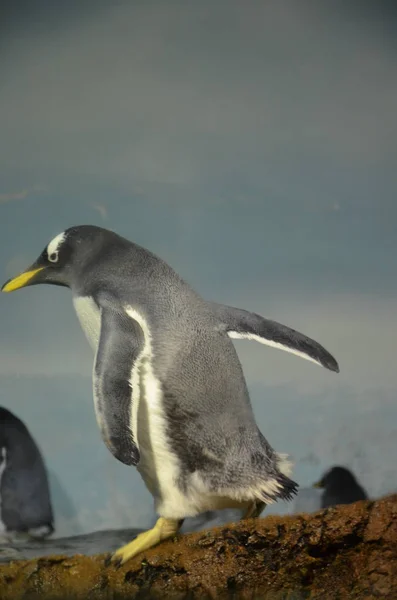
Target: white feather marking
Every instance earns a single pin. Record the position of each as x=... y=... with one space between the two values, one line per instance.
x=3 y=464
x=257 y=338
x=159 y=466
x=55 y=244
x=212 y=456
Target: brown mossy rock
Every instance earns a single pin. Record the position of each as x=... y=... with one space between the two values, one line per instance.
x=341 y=553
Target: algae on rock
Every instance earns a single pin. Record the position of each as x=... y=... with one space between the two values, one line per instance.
x=347 y=552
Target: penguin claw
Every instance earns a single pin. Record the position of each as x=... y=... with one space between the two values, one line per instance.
x=114 y=560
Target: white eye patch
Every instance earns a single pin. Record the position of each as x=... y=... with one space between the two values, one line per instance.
x=54 y=247
x=53 y=257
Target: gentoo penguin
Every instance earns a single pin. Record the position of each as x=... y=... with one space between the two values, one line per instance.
x=169 y=390
x=25 y=504
x=340 y=487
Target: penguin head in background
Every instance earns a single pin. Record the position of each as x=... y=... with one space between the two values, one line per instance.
x=65 y=257
x=335 y=478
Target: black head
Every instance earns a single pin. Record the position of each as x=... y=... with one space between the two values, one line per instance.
x=6 y=416
x=65 y=257
x=336 y=477
x=10 y=425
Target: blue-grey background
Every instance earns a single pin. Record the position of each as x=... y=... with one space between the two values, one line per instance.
x=253 y=146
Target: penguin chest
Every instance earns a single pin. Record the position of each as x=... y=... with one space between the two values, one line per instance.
x=89 y=316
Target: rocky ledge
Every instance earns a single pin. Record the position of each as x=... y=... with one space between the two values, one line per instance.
x=345 y=552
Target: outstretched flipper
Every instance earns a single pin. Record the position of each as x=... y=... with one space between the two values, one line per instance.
x=241 y=324
x=116 y=383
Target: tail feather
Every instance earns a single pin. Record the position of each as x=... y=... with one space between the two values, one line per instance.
x=276 y=485
x=259 y=474
x=289 y=488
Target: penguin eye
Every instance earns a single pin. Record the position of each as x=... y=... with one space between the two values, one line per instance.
x=53 y=257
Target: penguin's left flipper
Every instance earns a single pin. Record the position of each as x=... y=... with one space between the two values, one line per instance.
x=241 y=324
x=121 y=343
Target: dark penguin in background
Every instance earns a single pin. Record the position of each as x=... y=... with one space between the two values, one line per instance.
x=340 y=487
x=25 y=504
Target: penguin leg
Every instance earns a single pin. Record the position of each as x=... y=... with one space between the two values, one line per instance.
x=164 y=529
x=254 y=510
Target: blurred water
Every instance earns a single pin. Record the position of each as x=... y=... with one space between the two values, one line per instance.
x=93 y=543
x=99 y=542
